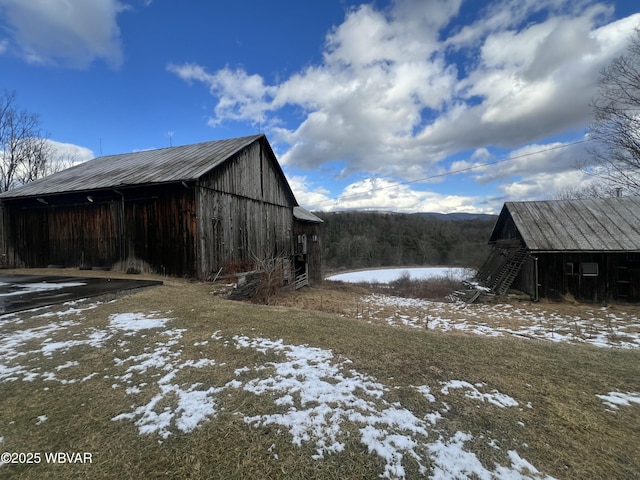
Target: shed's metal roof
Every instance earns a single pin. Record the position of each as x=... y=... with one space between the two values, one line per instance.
x=172 y=164
x=595 y=224
x=305 y=215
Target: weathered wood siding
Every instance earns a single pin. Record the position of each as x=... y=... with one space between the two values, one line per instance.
x=507 y=230
x=618 y=276
x=160 y=231
x=149 y=229
x=244 y=209
x=525 y=281
x=85 y=235
x=27 y=237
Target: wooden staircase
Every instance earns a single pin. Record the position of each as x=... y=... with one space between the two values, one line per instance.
x=509 y=271
x=501 y=268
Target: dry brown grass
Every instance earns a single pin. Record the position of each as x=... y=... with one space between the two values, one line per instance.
x=568 y=432
x=582 y=320
x=331 y=297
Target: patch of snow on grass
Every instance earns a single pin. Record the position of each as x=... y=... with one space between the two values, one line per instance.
x=68 y=364
x=319 y=399
x=136 y=321
x=453 y=462
x=74 y=307
x=14 y=344
x=95 y=339
x=193 y=406
x=600 y=328
x=618 y=399
x=324 y=394
x=426 y=391
x=471 y=391
x=190 y=405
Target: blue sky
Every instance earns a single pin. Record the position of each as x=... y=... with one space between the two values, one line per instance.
x=382 y=105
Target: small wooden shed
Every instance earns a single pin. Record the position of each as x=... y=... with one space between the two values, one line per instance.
x=307 y=247
x=587 y=248
x=180 y=211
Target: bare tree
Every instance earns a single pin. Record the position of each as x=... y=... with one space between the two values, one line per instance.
x=59 y=160
x=594 y=189
x=616 y=125
x=24 y=150
x=274 y=272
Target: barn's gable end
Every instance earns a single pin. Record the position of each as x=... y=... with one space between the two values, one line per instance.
x=245 y=207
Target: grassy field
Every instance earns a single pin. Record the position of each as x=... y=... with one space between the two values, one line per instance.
x=175 y=382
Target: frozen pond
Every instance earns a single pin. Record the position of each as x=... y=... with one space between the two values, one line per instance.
x=386 y=275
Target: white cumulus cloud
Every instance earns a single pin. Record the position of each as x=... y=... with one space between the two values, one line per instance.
x=401 y=90
x=71 y=33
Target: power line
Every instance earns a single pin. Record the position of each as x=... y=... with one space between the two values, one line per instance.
x=461 y=170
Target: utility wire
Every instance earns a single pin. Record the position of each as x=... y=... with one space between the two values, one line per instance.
x=461 y=170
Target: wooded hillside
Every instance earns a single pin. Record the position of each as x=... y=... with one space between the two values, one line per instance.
x=368 y=239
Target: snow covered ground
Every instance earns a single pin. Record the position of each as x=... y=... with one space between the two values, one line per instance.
x=386 y=275
x=599 y=326
x=317 y=395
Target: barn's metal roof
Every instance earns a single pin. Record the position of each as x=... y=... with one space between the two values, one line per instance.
x=305 y=215
x=165 y=165
x=596 y=224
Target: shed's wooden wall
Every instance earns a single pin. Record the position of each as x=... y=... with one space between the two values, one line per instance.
x=618 y=276
x=555 y=282
x=559 y=274
x=244 y=209
x=525 y=281
x=507 y=230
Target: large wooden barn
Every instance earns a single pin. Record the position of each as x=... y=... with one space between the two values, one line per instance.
x=588 y=248
x=179 y=211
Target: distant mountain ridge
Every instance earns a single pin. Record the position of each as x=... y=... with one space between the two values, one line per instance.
x=457 y=216
x=440 y=216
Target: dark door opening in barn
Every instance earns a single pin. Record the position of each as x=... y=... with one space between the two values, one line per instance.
x=628 y=281
x=301 y=264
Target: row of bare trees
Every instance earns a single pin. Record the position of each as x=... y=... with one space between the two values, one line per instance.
x=26 y=153
x=615 y=129
x=23 y=147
